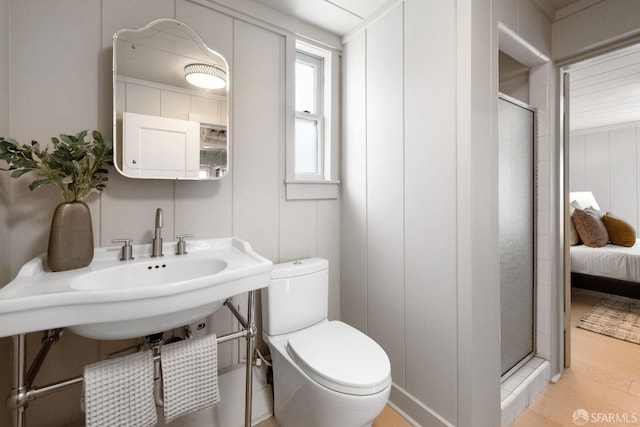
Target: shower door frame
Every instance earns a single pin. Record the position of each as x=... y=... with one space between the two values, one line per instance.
x=534 y=241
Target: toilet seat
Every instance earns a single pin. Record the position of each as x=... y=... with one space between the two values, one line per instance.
x=341 y=358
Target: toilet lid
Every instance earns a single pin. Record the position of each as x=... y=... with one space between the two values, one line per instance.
x=341 y=358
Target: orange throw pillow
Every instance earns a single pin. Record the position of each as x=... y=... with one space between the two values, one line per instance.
x=621 y=233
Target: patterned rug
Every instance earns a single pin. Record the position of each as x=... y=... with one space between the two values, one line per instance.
x=614 y=316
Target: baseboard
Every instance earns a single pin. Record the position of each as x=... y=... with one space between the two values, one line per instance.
x=417 y=413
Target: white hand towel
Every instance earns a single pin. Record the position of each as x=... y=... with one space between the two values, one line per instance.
x=190 y=376
x=119 y=392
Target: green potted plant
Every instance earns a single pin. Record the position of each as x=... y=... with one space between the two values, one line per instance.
x=76 y=167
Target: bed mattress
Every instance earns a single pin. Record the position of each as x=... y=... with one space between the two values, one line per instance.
x=616 y=262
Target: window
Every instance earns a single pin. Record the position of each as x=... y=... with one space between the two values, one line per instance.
x=309 y=144
x=312 y=155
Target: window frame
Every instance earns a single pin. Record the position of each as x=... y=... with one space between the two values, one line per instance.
x=327 y=185
x=317 y=63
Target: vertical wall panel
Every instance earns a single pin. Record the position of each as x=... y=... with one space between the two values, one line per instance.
x=430 y=196
x=257 y=134
x=328 y=246
x=298 y=229
x=47 y=100
x=623 y=166
x=53 y=89
x=541 y=77
x=577 y=164
x=385 y=188
x=608 y=164
x=597 y=164
x=353 y=245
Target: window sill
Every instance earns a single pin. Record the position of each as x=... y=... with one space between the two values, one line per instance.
x=312 y=190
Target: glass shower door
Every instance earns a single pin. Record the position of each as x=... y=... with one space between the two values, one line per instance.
x=516 y=123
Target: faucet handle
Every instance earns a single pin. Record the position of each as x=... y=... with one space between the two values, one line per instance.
x=126 y=252
x=182 y=244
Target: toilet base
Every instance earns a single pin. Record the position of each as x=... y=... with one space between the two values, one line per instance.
x=301 y=401
x=353 y=411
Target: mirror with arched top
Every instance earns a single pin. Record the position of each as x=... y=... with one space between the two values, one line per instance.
x=170 y=104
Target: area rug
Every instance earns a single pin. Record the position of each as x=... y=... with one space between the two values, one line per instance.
x=614 y=316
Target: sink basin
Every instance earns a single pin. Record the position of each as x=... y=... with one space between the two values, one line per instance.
x=148 y=274
x=113 y=299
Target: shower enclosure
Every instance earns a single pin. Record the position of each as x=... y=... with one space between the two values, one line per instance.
x=516 y=123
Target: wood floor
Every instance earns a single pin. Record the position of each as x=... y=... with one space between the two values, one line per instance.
x=603 y=380
x=388 y=418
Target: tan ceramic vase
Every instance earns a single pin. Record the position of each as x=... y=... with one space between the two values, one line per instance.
x=71 y=237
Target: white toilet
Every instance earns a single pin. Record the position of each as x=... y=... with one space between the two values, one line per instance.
x=325 y=373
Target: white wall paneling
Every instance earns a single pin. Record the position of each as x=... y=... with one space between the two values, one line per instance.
x=258 y=73
x=607 y=163
x=541 y=79
x=328 y=246
x=624 y=175
x=353 y=292
x=430 y=182
x=576 y=162
x=385 y=189
x=597 y=163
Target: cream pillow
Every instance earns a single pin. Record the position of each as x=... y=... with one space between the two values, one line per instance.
x=574 y=239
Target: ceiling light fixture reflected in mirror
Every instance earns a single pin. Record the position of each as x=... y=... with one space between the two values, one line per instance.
x=205 y=76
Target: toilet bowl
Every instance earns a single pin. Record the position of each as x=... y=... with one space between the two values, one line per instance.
x=325 y=373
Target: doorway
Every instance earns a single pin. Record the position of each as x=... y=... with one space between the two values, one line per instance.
x=599 y=103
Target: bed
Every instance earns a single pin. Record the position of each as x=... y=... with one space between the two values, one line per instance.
x=611 y=268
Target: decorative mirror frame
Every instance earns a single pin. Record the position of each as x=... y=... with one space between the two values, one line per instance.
x=163 y=126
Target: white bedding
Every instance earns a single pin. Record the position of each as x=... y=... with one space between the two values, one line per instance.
x=616 y=262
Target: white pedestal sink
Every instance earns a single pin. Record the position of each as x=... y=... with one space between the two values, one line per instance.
x=113 y=299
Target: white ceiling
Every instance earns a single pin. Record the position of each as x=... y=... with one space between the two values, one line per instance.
x=605 y=91
x=336 y=16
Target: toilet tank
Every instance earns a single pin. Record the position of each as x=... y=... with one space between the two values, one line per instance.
x=297 y=296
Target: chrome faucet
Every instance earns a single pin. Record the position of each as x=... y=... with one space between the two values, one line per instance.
x=156 y=244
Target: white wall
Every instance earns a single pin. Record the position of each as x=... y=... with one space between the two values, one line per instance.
x=60 y=82
x=607 y=163
x=395 y=286
x=419 y=242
